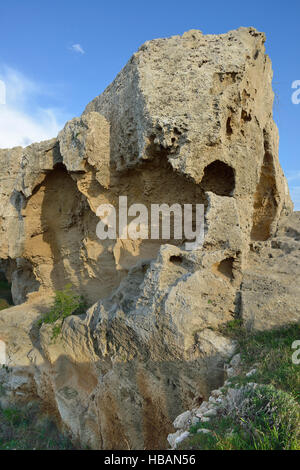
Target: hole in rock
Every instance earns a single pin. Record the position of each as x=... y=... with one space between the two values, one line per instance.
x=176 y=259
x=17 y=280
x=61 y=240
x=23 y=280
x=225 y=268
x=219 y=178
x=5 y=287
x=58 y=223
x=155 y=150
x=229 y=130
x=265 y=204
x=256 y=54
x=245 y=116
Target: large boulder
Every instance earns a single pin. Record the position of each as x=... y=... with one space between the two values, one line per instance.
x=188 y=120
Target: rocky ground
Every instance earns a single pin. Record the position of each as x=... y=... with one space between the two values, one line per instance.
x=258 y=407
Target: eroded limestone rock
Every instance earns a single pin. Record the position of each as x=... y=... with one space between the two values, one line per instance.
x=270 y=294
x=188 y=120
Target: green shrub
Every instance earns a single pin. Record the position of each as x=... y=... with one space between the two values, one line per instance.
x=258 y=418
x=266 y=417
x=272 y=350
x=27 y=428
x=66 y=303
x=270 y=418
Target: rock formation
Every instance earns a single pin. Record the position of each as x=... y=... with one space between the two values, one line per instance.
x=188 y=120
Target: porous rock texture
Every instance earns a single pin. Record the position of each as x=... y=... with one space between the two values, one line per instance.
x=188 y=120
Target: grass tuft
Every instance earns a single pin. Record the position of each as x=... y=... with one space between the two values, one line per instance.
x=264 y=417
x=26 y=429
x=66 y=303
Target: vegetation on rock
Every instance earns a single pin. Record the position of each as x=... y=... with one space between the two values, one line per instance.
x=26 y=429
x=66 y=303
x=263 y=412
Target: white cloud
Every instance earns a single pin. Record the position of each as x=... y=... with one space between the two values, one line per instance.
x=78 y=48
x=22 y=119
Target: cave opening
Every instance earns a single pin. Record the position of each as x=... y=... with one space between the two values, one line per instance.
x=6 y=299
x=219 y=178
x=229 y=129
x=265 y=204
x=225 y=268
x=60 y=224
x=17 y=280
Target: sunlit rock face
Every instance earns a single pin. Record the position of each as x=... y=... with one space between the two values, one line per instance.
x=188 y=121
x=2 y=353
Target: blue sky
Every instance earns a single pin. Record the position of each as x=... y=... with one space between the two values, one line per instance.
x=56 y=56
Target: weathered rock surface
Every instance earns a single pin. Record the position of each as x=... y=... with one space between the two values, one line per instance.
x=188 y=120
x=270 y=291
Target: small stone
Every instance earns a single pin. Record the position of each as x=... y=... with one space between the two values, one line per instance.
x=231 y=372
x=195 y=420
x=252 y=384
x=181 y=438
x=172 y=438
x=183 y=420
x=210 y=413
x=205 y=419
x=203 y=431
x=203 y=405
x=236 y=360
x=251 y=372
x=216 y=393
